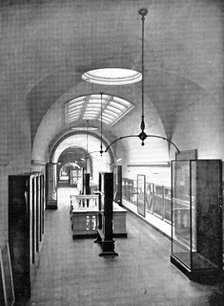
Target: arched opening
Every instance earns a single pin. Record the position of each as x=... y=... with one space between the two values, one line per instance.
x=69 y=166
x=76 y=146
x=70 y=158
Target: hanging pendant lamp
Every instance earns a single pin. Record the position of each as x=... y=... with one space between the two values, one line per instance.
x=142 y=135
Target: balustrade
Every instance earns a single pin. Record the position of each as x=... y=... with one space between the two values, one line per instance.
x=84 y=213
x=86 y=202
x=158 y=198
x=158 y=201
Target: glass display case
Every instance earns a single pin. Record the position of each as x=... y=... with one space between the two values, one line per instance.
x=196 y=213
x=25 y=229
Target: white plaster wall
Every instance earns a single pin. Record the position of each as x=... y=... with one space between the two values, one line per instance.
x=201 y=126
x=51 y=124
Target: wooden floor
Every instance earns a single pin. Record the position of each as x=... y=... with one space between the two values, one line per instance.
x=72 y=273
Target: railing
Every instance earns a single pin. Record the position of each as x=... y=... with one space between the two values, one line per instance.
x=85 y=202
x=129 y=190
x=157 y=198
x=84 y=213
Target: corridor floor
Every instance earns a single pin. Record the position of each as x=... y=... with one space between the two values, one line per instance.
x=72 y=274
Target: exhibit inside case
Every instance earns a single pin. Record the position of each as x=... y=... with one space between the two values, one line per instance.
x=196 y=211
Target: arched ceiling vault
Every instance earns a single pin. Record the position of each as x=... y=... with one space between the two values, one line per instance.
x=77 y=142
x=72 y=154
x=49 y=44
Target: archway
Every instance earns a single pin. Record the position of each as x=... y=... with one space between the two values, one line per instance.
x=73 y=149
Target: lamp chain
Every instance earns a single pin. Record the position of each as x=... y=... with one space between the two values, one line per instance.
x=143 y=12
x=101 y=126
x=87 y=145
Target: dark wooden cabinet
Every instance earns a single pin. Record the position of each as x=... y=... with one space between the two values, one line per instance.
x=26 y=228
x=105 y=230
x=51 y=186
x=118 y=184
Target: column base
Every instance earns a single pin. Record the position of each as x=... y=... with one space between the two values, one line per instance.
x=108 y=248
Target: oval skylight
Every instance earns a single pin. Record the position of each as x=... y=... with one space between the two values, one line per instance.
x=112 y=76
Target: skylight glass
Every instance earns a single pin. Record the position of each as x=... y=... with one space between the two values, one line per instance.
x=113 y=109
x=117 y=105
x=89 y=108
x=112 y=76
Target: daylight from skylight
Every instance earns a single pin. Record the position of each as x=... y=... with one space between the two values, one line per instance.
x=112 y=76
x=89 y=108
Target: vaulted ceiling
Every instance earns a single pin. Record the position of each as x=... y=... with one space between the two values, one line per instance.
x=47 y=45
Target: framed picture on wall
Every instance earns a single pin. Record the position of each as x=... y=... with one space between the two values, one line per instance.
x=141 y=194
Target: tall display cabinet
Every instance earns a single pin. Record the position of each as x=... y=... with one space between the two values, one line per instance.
x=196 y=244
x=118 y=184
x=26 y=228
x=105 y=229
x=51 y=186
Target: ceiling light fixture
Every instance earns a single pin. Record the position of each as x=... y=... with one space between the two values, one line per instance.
x=87 y=136
x=112 y=76
x=142 y=135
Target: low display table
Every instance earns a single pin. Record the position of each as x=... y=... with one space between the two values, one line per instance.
x=84 y=214
x=84 y=223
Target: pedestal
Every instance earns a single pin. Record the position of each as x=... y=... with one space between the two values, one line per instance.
x=108 y=248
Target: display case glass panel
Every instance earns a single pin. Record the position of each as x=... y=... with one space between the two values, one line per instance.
x=181 y=230
x=197 y=216
x=206 y=215
x=141 y=194
x=102 y=190
x=149 y=197
x=159 y=201
x=167 y=204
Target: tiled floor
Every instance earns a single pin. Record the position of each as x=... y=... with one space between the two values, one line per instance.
x=72 y=273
